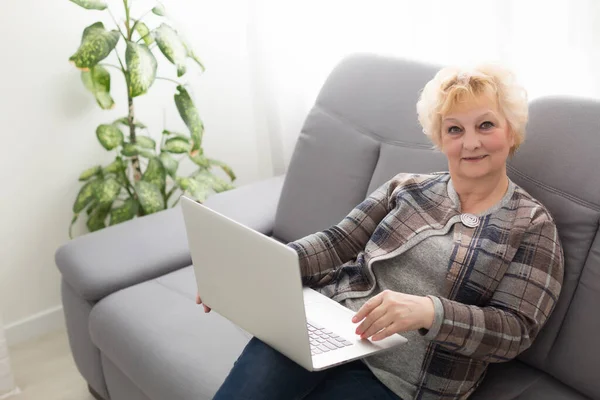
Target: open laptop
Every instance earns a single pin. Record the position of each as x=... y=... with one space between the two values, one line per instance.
x=254 y=281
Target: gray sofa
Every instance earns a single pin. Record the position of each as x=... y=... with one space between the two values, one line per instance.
x=128 y=291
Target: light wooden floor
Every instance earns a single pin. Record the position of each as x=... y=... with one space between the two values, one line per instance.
x=44 y=370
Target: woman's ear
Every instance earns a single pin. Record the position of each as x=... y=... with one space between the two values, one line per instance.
x=511 y=136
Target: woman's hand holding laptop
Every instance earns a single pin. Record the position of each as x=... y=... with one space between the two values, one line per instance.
x=199 y=301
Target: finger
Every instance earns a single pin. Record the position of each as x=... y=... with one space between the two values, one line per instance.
x=198 y=299
x=206 y=309
x=368 y=307
x=385 y=332
x=378 y=325
x=371 y=318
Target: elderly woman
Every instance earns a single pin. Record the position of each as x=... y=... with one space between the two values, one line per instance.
x=465 y=264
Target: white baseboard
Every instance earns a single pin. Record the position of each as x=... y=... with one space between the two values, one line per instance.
x=37 y=325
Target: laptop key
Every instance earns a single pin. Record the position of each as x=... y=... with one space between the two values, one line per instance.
x=335 y=343
x=323 y=348
x=328 y=345
x=324 y=339
x=316 y=351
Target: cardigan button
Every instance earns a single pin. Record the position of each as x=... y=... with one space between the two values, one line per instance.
x=469 y=220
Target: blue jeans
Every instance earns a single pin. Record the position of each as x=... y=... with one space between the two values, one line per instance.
x=263 y=373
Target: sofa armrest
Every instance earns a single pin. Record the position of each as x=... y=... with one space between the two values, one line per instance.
x=100 y=263
x=252 y=205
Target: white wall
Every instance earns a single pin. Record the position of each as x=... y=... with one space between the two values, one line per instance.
x=48 y=120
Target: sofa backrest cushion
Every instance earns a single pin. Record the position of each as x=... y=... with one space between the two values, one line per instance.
x=559 y=165
x=362 y=131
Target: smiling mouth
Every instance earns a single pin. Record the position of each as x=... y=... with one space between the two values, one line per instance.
x=474 y=158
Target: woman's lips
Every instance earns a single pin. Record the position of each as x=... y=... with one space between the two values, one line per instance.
x=474 y=159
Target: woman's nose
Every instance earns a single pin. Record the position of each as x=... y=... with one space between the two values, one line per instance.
x=471 y=140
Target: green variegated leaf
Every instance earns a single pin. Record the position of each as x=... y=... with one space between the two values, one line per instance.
x=217 y=184
x=171 y=46
x=198 y=190
x=125 y=212
x=169 y=163
x=190 y=116
x=97 y=219
x=144 y=32
x=73 y=220
x=85 y=196
x=91 y=4
x=97 y=81
x=226 y=168
x=177 y=145
x=183 y=183
x=125 y=122
x=159 y=10
x=107 y=191
x=129 y=150
x=145 y=142
x=155 y=173
x=150 y=197
x=115 y=166
x=193 y=56
x=96 y=45
x=122 y=178
x=88 y=173
x=171 y=133
x=146 y=153
x=141 y=65
x=222 y=186
x=109 y=136
x=200 y=160
x=91 y=208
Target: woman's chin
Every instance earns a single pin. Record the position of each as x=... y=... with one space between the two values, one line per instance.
x=474 y=172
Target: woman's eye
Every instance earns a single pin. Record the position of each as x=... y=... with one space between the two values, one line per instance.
x=486 y=125
x=454 y=129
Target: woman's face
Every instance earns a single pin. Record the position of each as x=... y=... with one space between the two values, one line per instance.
x=476 y=139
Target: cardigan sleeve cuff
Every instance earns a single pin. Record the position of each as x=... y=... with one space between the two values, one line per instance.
x=438 y=319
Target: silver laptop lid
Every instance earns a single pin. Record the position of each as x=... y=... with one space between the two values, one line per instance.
x=248 y=278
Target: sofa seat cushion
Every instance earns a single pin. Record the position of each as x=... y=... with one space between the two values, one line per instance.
x=517 y=381
x=157 y=335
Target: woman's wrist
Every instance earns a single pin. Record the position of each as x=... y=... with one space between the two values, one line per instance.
x=428 y=312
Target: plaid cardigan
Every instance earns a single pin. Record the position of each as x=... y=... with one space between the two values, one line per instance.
x=503 y=281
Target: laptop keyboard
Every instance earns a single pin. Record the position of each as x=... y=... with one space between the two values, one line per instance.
x=323 y=340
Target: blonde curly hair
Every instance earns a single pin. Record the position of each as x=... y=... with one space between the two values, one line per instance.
x=452 y=85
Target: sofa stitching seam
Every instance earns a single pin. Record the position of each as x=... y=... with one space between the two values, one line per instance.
x=369 y=133
x=554 y=190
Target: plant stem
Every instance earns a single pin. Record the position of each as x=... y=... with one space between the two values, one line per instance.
x=176 y=201
x=127 y=26
x=113 y=66
x=169 y=79
x=173 y=189
x=116 y=23
x=140 y=18
x=135 y=161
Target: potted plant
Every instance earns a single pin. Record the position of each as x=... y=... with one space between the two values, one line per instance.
x=143 y=178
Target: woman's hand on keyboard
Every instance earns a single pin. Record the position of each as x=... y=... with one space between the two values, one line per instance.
x=393 y=312
x=199 y=301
